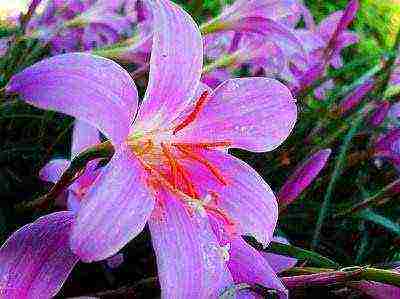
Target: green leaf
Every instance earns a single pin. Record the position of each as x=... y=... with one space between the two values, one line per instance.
x=296 y=252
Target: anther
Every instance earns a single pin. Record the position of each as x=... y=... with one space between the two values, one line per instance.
x=192 y=116
x=177 y=169
x=173 y=164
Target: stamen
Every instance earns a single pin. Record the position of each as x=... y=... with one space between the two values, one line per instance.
x=173 y=164
x=177 y=169
x=192 y=116
x=147 y=147
x=215 y=171
x=189 y=184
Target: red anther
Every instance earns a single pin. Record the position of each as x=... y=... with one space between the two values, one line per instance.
x=215 y=171
x=177 y=169
x=192 y=116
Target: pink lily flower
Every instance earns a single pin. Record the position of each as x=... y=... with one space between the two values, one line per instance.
x=171 y=168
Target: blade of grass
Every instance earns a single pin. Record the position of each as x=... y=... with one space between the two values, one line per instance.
x=296 y=252
x=369 y=202
x=380 y=220
x=339 y=165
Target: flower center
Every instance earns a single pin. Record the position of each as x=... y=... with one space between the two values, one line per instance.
x=168 y=164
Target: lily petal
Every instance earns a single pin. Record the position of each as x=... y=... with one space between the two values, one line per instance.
x=228 y=116
x=279 y=262
x=175 y=65
x=245 y=198
x=53 y=170
x=83 y=137
x=79 y=85
x=114 y=210
x=247 y=265
x=189 y=260
x=36 y=260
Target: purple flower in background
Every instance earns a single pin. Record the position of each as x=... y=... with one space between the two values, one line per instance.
x=244 y=14
x=380 y=114
x=84 y=136
x=387 y=146
x=334 y=37
x=171 y=168
x=354 y=98
x=258 y=34
x=82 y=25
x=302 y=177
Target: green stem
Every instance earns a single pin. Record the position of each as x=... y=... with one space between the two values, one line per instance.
x=340 y=162
x=114 y=51
x=322 y=278
x=371 y=201
x=356 y=273
x=381 y=275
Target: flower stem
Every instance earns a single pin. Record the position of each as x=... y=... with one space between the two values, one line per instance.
x=339 y=165
x=324 y=277
x=317 y=277
x=371 y=201
x=381 y=275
